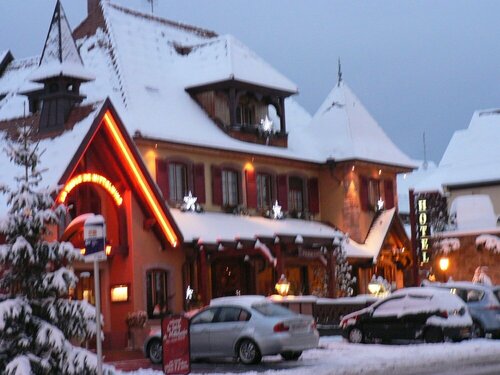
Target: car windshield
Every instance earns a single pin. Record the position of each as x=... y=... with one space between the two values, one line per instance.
x=271 y=309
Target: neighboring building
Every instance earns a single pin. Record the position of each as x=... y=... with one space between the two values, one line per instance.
x=468 y=172
x=137 y=112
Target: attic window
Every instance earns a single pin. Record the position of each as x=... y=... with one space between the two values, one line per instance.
x=182 y=50
x=54 y=87
x=245 y=114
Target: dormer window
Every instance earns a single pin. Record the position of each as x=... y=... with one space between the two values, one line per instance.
x=53 y=87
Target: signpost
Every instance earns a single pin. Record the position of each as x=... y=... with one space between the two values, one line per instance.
x=175 y=340
x=94 y=234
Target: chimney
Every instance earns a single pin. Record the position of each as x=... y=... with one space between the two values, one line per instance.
x=92 y=6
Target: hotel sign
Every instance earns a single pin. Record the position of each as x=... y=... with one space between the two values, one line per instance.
x=423 y=229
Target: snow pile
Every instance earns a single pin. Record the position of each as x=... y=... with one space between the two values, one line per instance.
x=489 y=242
x=447 y=245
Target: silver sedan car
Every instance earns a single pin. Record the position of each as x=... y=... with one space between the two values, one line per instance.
x=243 y=327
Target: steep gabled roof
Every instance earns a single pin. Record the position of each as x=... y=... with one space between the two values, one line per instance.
x=60 y=55
x=345 y=130
x=472 y=156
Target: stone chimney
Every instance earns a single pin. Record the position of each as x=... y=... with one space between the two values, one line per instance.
x=92 y=6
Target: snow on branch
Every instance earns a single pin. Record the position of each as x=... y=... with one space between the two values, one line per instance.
x=488 y=242
x=447 y=245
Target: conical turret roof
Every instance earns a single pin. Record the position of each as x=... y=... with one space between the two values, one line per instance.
x=345 y=130
x=60 y=56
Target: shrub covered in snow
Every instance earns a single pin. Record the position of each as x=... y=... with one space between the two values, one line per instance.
x=37 y=320
x=447 y=245
x=488 y=242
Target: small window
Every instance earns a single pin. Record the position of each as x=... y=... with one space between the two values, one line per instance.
x=264 y=191
x=178 y=183
x=157 y=293
x=245 y=114
x=230 y=191
x=373 y=192
x=295 y=194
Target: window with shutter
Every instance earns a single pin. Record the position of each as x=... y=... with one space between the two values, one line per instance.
x=283 y=191
x=177 y=182
x=199 y=182
x=162 y=177
x=251 y=188
x=389 y=194
x=296 y=194
x=313 y=193
x=230 y=191
x=264 y=191
x=216 y=186
x=363 y=193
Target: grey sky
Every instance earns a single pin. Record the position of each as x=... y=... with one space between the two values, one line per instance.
x=416 y=65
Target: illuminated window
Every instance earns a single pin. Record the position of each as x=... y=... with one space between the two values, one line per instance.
x=230 y=191
x=295 y=194
x=178 y=183
x=157 y=293
x=264 y=190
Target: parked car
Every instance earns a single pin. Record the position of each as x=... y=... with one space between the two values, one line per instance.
x=428 y=314
x=244 y=327
x=483 y=302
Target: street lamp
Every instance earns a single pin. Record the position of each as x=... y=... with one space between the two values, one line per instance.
x=282 y=286
x=444 y=264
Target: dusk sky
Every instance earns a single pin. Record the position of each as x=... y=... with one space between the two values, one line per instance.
x=417 y=66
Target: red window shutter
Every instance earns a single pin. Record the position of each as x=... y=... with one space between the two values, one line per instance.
x=162 y=177
x=251 y=188
x=216 y=186
x=363 y=193
x=389 y=194
x=283 y=191
x=199 y=182
x=313 y=192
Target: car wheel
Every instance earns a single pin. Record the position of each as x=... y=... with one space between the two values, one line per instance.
x=476 y=330
x=291 y=356
x=433 y=335
x=155 y=351
x=248 y=352
x=355 y=335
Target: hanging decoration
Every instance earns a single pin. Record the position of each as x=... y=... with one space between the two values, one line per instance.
x=276 y=211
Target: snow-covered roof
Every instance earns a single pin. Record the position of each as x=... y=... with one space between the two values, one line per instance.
x=226 y=58
x=60 y=55
x=473 y=212
x=374 y=240
x=214 y=227
x=472 y=156
x=344 y=130
x=407 y=181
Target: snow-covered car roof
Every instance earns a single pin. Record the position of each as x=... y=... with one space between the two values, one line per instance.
x=246 y=301
x=442 y=298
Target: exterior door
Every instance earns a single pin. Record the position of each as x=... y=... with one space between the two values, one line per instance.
x=232 y=277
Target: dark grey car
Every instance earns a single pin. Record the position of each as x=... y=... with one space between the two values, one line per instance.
x=483 y=302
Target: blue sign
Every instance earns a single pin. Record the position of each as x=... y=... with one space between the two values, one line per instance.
x=94 y=235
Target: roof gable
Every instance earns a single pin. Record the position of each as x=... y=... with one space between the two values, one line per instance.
x=345 y=130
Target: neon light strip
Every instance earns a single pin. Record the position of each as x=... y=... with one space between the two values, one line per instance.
x=91 y=178
x=139 y=177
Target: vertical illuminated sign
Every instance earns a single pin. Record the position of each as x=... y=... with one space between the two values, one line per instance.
x=423 y=229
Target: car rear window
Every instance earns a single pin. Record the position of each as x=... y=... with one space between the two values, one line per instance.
x=497 y=294
x=271 y=309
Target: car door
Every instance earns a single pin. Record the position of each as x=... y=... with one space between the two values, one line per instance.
x=385 y=321
x=415 y=316
x=229 y=322
x=199 y=332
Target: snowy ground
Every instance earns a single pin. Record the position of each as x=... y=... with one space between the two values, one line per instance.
x=335 y=357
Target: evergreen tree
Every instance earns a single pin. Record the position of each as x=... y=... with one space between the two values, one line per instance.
x=37 y=319
x=344 y=279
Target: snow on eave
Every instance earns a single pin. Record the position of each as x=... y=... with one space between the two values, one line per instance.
x=57 y=69
x=465 y=232
x=375 y=238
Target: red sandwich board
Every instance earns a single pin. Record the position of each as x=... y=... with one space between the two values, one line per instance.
x=175 y=338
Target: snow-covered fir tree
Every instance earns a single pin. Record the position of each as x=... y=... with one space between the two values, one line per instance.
x=37 y=319
x=344 y=279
